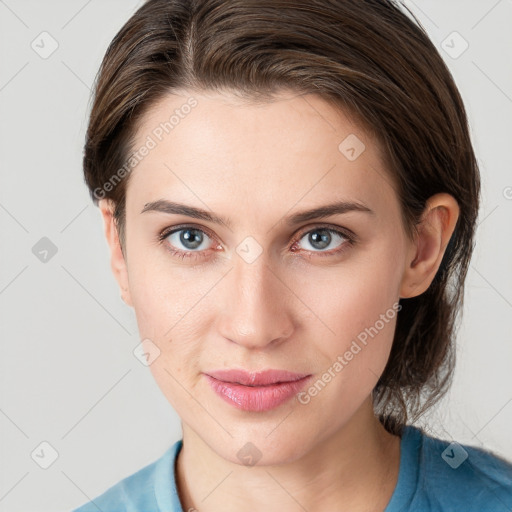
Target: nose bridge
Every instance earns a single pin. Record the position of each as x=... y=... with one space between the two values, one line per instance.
x=255 y=312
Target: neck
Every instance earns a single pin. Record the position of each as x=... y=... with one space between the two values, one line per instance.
x=355 y=469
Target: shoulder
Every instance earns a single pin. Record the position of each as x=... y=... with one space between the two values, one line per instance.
x=149 y=489
x=454 y=476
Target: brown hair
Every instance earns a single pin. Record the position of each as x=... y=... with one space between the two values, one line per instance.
x=367 y=57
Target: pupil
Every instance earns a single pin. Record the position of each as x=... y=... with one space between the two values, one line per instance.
x=192 y=241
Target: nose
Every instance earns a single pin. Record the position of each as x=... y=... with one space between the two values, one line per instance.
x=256 y=305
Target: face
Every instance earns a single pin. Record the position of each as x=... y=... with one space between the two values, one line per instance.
x=263 y=288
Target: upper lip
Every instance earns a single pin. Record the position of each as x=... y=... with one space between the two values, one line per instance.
x=260 y=378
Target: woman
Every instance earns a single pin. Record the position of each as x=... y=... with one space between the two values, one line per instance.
x=289 y=194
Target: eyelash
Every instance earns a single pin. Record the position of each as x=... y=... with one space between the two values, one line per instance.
x=350 y=240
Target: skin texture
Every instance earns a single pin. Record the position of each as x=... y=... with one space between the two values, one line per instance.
x=257 y=165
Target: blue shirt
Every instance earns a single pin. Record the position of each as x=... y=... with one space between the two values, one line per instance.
x=434 y=476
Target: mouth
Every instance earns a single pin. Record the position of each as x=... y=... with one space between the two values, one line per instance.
x=256 y=391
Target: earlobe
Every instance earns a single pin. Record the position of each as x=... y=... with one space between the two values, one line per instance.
x=427 y=250
x=117 y=259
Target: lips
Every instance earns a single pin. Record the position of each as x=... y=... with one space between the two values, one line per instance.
x=256 y=391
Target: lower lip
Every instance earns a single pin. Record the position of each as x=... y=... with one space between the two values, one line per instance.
x=256 y=398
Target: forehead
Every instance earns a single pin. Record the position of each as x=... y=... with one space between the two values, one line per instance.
x=219 y=150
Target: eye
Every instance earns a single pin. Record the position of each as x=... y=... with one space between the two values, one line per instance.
x=186 y=241
x=321 y=238
x=192 y=242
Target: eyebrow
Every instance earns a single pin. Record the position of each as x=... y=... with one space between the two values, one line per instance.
x=336 y=208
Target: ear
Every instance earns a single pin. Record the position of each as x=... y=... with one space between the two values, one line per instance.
x=117 y=260
x=427 y=250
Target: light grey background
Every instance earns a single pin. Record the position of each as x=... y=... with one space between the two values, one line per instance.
x=68 y=375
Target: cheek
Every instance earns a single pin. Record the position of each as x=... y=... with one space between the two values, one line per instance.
x=160 y=297
x=358 y=302
x=165 y=313
x=170 y=312
x=362 y=313
x=353 y=295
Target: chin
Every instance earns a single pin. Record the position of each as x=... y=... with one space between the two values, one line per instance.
x=261 y=449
